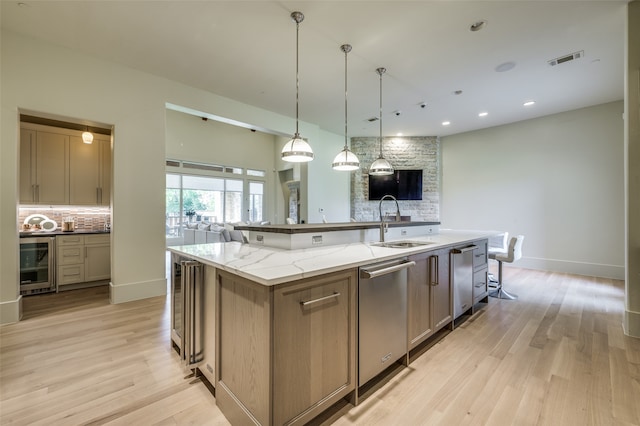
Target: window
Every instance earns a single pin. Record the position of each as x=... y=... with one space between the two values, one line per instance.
x=256 y=190
x=212 y=193
x=173 y=206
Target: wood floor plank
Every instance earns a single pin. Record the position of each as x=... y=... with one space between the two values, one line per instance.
x=555 y=356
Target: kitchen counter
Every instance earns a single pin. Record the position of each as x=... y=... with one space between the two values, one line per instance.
x=281 y=333
x=24 y=234
x=328 y=227
x=271 y=266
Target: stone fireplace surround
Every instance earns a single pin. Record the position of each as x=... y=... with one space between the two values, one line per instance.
x=418 y=152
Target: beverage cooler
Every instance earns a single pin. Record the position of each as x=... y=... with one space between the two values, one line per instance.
x=37 y=264
x=187 y=309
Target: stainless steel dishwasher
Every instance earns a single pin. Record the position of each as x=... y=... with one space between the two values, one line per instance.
x=382 y=316
x=462 y=282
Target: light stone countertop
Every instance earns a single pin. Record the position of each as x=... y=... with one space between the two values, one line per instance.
x=270 y=266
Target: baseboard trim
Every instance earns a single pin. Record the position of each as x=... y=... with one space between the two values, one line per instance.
x=11 y=311
x=579 y=268
x=129 y=292
x=631 y=323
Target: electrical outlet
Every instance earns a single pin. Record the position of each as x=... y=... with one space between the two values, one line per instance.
x=320 y=210
x=259 y=239
x=316 y=239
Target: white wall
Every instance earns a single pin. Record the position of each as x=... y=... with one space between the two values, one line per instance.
x=631 y=320
x=40 y=77
x=558 y=180
x=188 y=137
x=332 y=191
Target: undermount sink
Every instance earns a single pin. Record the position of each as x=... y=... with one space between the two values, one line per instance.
x=402 y=244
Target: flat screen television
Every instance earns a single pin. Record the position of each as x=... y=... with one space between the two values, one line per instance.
x=402 y=184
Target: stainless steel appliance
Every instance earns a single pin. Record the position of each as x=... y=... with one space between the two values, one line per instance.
x=37 y=265
x=382 y=316
x=187 y=308
x=462 y=279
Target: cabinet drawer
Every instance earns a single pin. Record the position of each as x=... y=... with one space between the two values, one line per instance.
x=70 y=274
x=97 y=239
x=480 y=284
x=69 y=240
x=480 y=255
x=70 y=255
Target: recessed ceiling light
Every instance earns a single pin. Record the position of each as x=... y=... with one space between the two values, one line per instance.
x=507 y=66
x=529 y=103
x=483 y=114
x=446 y=123
x=398 y=134
x=477 y=26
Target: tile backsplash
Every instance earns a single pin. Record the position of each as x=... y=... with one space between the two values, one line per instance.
x=94 y=218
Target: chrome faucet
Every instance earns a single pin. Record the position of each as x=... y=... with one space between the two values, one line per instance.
x=384 y=227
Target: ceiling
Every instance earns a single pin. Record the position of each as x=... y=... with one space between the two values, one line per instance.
x=245 y=50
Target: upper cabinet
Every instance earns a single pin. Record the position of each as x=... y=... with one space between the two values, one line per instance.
x=89 y=171
x=44 y=165
x=57 y=167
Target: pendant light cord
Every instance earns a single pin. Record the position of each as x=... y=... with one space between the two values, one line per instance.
x=380 y=72
x=346 y=49
x=297 y=75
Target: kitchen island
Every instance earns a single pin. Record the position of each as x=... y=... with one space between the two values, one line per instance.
x=285 y=322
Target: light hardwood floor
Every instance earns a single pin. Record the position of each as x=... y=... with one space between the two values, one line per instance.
x=556 y=356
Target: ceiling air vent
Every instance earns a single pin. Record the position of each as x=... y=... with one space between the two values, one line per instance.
x=566 y=58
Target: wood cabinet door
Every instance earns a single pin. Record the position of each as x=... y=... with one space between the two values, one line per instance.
x=441 y=290
x=84 y=172
x=105 y=172
x=52 y=176
x=419 y=303
x=314 y=345
x=97 y=263
x=27 y=172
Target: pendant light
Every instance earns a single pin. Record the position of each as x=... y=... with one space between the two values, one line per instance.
x=297 y=150
x=87 y=136
x=381 y=167
x=345 y=160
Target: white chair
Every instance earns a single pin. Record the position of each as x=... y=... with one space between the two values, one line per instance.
x=513 y=253
x=497 y=244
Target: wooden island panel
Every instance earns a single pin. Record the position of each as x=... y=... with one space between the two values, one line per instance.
x=281 y=361
x=314 y=345
x=243 y=339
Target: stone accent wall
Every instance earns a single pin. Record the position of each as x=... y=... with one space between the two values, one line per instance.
x=407 y=153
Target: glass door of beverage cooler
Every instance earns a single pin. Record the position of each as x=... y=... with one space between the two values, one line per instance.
x=37 y=265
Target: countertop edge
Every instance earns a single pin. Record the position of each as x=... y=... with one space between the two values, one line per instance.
x=272 y=266
x=326 y=227
x=27 y=234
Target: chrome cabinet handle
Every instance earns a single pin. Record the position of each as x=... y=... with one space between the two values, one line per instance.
x=433 y=269
x=464 y=249
x=388 y=270
x=320 y=299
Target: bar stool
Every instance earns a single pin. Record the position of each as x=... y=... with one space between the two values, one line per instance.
x=513 y=253
x=497 y=244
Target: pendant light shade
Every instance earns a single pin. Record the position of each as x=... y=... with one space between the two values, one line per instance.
x=345 y=160
x=87 y=136
x=381 y=166
x=297 y=150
